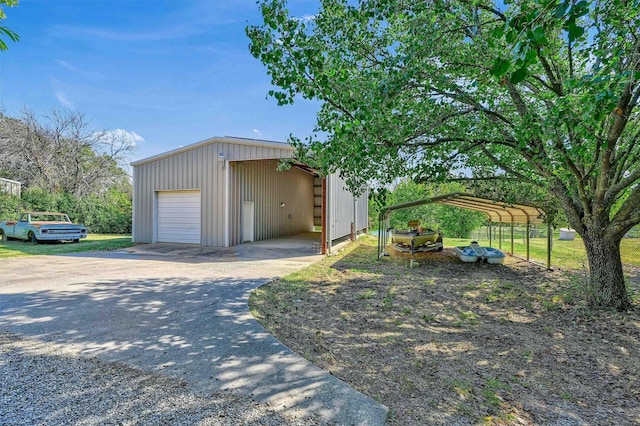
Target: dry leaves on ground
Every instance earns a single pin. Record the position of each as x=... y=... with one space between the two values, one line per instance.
x=454 y=343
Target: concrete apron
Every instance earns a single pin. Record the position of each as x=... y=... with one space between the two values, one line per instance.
x=180 y=311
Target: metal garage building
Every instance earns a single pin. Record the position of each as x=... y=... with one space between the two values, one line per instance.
x=225 y=191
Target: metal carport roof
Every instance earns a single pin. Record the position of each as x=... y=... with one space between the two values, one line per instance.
x=497 y=211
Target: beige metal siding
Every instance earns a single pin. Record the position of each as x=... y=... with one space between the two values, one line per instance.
x=362 y=211
x=199 y=167
x=341 y=208
x=283 y=200
x=344 y=209
x=226 y=172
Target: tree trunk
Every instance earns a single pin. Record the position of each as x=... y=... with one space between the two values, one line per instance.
x=606 y=276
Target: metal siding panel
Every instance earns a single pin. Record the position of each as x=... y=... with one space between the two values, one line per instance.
x=235 y=204
x=342 y=208
x=229 y=201
x=205 y=163
x=198 y=168
x=202 y=159
x=362 y=220
x=267 y=188
x=216 y=195
x=144 y=209
x=219 y=203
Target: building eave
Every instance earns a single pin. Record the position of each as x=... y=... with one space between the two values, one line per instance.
x=216 y=139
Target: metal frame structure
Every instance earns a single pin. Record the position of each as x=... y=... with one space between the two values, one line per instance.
x=497 y=212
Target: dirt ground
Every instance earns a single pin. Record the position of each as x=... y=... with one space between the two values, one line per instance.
x=447 y=342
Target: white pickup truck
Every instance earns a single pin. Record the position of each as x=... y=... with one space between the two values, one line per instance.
x=42 y=226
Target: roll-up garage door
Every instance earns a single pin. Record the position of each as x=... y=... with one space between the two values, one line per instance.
x=178 y=217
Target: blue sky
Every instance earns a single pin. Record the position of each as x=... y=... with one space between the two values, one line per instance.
x=169 y=73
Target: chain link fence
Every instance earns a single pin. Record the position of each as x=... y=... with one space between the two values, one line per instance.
x=567 y=248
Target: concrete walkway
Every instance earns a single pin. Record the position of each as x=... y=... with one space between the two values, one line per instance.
x=181 y=311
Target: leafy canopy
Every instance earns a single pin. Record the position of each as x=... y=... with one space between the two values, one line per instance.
x=541 y=91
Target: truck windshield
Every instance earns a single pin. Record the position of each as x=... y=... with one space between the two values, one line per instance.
x=48 y=218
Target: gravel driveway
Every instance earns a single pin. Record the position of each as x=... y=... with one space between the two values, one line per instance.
x=157 y=334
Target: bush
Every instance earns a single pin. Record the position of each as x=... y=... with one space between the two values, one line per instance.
x=108 y=213
x=10 y=207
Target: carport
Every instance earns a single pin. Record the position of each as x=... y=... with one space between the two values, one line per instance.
x=498 y=212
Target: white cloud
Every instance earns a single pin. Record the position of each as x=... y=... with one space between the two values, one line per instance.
x=74 y=69
x=162 y=34
x=123 y=137
x=62 y=98
x=257 y=132
x=306 y=18
x=65 y=64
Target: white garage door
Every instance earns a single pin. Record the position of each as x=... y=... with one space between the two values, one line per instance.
x=179 y=217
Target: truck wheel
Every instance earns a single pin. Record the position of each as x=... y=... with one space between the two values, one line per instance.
x=3 y=237
x=32 y=238
x=76 y=240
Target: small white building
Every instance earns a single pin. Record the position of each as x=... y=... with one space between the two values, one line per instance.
x=10 y=187
x=226 y=191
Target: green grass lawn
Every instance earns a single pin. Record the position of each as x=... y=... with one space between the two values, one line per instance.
x=93 y=242
x=564 y=254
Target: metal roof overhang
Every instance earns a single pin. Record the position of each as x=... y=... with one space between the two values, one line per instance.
x=497 y=211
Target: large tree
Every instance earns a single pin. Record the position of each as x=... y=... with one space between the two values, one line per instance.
x=540 y=91
x=60 y=152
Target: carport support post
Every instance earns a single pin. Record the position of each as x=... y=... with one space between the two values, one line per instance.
x=512 y=253
x=379 y=236
x=528 y=239
x=549 y=243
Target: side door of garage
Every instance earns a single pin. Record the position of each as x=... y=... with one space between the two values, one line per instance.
x=178 y=217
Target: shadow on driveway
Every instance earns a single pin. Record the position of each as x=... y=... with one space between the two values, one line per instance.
x=188 y=321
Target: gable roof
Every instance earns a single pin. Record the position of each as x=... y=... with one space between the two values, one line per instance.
x=218 y=139
x=497 y=211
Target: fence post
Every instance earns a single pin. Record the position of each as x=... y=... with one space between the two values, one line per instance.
x=549 y=242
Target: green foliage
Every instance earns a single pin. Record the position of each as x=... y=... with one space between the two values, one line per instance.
x=108 y=213
x=537 y=91
x=66 y=166
x=454 y=222
x=10 y=207
x=59 y=153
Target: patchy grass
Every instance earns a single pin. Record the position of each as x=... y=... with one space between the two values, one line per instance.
x=454 y=343
x=93 y=242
